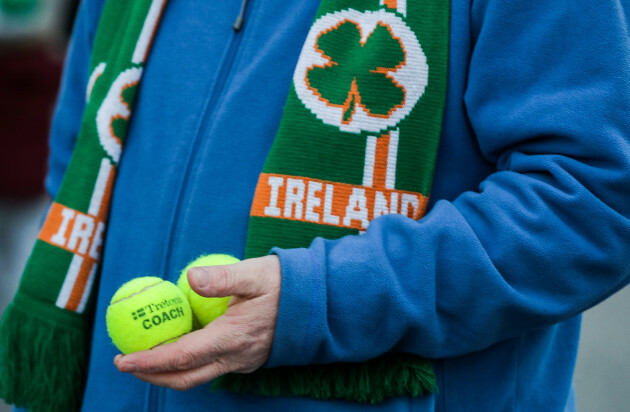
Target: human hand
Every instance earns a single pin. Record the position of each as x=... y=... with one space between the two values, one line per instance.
x=238 y=341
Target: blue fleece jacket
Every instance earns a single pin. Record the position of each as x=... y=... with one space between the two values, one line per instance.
x=528 y=223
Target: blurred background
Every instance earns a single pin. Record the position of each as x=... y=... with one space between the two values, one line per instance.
x=33 y=39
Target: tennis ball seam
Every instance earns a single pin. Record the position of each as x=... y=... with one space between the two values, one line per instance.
x=133 y=315
x=144 y=289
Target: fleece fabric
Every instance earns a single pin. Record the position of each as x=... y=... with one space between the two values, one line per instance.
x=527 y=226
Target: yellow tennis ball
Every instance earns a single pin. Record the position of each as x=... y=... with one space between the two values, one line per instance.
x=205 y=310
x=146 y=312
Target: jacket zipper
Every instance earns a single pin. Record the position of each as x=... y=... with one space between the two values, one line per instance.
x=240 y=20
x=156 y=394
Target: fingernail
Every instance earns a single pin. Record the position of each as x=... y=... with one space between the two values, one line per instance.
x=200 y=278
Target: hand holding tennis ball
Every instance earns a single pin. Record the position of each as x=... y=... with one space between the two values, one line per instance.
x=149 y=311
x=146 y=312
x=238 y=341
x=205 y=310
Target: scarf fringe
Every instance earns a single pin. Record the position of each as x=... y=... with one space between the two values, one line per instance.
x=42 y=362
x=370 y=382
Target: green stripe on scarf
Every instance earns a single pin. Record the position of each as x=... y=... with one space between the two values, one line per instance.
x=358 y=139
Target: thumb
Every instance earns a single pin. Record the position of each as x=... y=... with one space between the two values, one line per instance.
x=248 y=278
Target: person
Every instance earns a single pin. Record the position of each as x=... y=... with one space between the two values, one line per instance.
x=527 y=225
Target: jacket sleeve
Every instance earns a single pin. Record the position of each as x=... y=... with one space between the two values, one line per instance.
x=544 y=238
x=66 y=120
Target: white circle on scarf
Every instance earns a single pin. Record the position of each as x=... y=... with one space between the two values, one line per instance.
x=411 y=76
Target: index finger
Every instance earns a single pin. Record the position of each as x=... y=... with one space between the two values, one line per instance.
x=190 y=351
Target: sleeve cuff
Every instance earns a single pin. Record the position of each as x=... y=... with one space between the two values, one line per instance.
x=302 y=311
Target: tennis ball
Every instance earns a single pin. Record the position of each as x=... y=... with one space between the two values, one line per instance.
x=146 y=312
x=205 y=310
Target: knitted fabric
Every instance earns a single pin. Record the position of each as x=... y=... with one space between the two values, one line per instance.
x=358 y=139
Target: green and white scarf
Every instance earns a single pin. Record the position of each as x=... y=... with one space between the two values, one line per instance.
x=358 y=139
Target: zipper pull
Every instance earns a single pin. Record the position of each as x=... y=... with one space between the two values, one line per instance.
x=238 y=23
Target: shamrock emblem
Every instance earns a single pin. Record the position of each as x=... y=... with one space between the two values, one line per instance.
x=358 y=72
x=361 y=71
